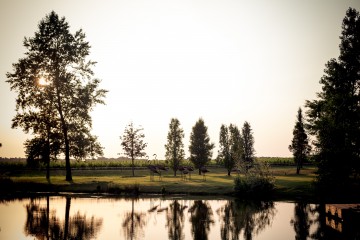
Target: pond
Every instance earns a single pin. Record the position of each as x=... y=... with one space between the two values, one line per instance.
x=69 y=217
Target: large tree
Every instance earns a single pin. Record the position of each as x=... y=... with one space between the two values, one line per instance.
x=175 y=147
x=334 y=117
x=230 y=147
x=133 y=143
x=55 y=84
x=200 y=147
x=299 y=144
x=248 y=141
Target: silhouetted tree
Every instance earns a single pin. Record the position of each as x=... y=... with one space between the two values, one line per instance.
x=334 y=117
x=56 y=91
x=201 y=218
x=299 y=144
x=200 y=147
x=231 y=147
x=249 y=151
x=133 y=144
x=175 y=148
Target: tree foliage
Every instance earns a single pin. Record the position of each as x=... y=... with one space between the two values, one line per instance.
x=200 y=147
x=299 y=145
x=133 y=143
x=249 y=151
x=334 y=117
x=56 y=91
x=231 y=147
x=175 y=147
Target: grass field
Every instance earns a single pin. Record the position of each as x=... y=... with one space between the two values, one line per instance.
x=288 y=184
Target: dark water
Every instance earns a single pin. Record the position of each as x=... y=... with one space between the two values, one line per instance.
x=168 y=218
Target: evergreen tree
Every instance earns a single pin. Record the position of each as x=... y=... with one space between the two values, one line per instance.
x=175 y=148
x=334 y=118
x=249 y=151
x=133 y=144
x=56 y=91
x=299 y=145
x=200 y=147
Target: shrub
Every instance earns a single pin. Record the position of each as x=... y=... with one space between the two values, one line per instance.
x=257 y=182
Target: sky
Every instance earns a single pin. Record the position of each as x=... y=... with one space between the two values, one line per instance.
x=220 y=60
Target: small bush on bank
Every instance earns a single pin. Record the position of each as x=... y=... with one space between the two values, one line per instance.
x=257 y=182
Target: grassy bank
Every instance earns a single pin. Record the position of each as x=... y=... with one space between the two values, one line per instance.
x=118 y=181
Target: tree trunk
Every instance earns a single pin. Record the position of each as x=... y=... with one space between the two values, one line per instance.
x=67 y=158
x=229 y=172
x=298 y=167
x=199 y=171
x=132 y=166
x=66 y=139
x=48 y=153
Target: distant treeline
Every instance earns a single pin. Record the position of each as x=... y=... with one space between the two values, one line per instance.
x=14 y=163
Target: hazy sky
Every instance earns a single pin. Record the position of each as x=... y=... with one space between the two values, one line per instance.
x=225 y=61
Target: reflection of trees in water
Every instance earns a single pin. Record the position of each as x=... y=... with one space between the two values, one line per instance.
x=44 y=224
x=303 y=214
x=229 y=227
x=134 y=223
x=201 y=218
x=310 y=223
x=175 y=221
x=246 y=216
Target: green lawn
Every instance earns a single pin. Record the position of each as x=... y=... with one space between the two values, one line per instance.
x=287 y=183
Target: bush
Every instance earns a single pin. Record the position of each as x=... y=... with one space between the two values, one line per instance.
x=257 y=182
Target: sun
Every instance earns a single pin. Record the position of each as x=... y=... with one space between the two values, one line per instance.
x=42 y=81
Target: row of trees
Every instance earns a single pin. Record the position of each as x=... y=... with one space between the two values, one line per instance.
x=236 y=149
x=57 y=91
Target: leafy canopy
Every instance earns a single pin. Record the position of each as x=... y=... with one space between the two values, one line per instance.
x=56 y=91
x=334 y=117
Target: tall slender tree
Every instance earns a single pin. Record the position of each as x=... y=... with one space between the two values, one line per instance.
x=249 y=151
x=231 y=147
x=133 y=144
x=299 y=145
x=334 y=117
x=56 y=91
x=175 y=147
x=224 y=145
x=200 y=147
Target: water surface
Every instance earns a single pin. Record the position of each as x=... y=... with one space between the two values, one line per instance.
x=159 y=218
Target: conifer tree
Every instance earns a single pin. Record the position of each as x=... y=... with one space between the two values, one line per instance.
x=299 y=145
x=200 y=147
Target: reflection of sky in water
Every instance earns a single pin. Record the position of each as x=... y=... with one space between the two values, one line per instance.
x=155 y=216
